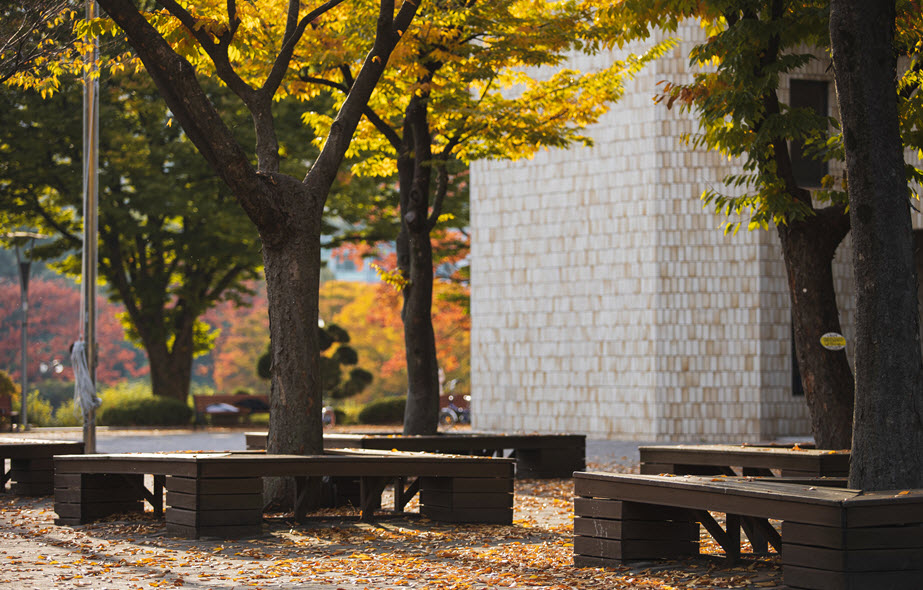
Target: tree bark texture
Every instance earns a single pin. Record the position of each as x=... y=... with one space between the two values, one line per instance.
x=421 y=416
x=887 y=449
x=415 y=260
x=808 y=248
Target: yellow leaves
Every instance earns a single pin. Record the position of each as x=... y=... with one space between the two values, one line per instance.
x=394 y=278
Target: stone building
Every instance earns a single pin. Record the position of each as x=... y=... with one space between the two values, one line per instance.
x=606 y=300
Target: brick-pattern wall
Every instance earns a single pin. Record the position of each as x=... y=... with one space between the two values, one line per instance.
x=607 y=301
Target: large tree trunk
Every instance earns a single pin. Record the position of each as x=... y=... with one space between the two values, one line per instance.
x=292 y=261
x=808 y=248
x=887 y=449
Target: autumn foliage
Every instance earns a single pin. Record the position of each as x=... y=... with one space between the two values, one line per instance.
x=54 y=323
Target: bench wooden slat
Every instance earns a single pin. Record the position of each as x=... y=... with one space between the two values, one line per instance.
x=881 y=537
x=634 y=529
x=643 y=549
x=212 y=487
x=866 y=560
x=815 y=579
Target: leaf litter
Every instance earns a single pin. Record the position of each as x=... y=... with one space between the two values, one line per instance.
x=334 y=550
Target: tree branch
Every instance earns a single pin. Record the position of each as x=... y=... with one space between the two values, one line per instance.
x=176 y=80
x=388 y=33
x=293 y=34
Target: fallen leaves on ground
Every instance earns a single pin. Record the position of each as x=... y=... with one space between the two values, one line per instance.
x=335 y=550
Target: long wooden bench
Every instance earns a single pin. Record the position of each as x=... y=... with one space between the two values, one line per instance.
x=768 y=460
x=831 y=538
x=220 y=494
x=536 y=455
x=31 y=471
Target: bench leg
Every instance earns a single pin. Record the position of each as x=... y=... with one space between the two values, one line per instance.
x=608 y=533
x=227 y=507
x=370 y=492
x=4 y=475
x=486 y=500
x=403 y=495
x=84 y=497
x=32 y=477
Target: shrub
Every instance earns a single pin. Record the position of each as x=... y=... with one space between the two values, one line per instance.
x=385 y=411
x=132 y=404
x=7 y=387
x=149 y=411
x=39 y=410
x=66 y=415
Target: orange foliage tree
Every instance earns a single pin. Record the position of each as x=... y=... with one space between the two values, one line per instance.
x=54 y=319
x=372 y=316
x=243 y=334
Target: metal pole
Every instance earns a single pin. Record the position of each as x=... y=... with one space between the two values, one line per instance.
x=90 y=213
x=24 y=268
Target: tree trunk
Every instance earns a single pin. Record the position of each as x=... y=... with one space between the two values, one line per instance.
x=808 y=248
x=887 y=448
x=291 y=257
x=171 y=370
x=415 y=259
x=421 y=415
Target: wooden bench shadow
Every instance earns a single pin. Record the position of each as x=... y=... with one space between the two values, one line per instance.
x=221 y=494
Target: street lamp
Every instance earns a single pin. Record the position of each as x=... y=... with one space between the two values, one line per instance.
x=24 y=242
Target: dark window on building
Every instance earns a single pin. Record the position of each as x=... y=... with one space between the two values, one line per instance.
x=808 y=94
x=797 y=385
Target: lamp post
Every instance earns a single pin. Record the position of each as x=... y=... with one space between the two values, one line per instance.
x=23 y=242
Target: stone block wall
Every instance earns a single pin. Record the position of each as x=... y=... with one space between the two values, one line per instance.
x=607 y=301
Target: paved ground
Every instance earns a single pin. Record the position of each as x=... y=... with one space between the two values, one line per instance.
x=334 y=550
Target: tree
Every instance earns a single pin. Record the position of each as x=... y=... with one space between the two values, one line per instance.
x=54 y=317
x=887 y=449
x=252 y=48
x=172 y=241
x=336 y=385
x=243 y=333
x=34 y=34
x=450 y=99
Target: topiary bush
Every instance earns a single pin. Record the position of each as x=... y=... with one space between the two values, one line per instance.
x=385 y=411
x=148 y=411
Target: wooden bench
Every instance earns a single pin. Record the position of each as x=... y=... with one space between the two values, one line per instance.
x=536 y=455
x=220 y=494
x=759 y=460
x=245 y=405
x=7 y=416
x=31 y=471
x=831 y=538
